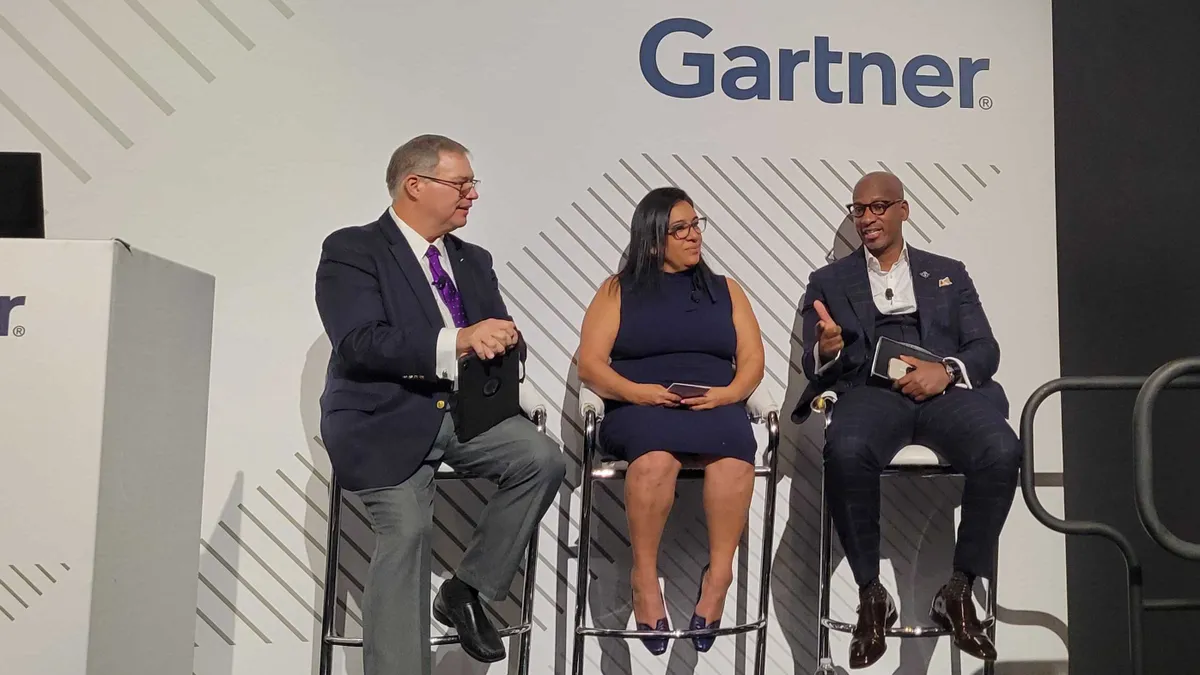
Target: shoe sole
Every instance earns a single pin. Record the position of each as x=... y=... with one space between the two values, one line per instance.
x=445 y=621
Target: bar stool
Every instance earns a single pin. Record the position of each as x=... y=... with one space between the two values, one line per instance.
x=762 y=410
x=912 y=460
x=330 y=639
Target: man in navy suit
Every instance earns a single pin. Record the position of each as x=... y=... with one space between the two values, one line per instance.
x=951 y=405
x=402 y=299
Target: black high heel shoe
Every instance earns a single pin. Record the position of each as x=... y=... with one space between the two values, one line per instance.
x=698 y=622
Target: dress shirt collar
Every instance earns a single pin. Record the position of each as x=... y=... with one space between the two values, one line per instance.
x=873 y=262
x=418 y=243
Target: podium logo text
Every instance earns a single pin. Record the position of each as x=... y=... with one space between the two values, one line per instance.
x=7 y=305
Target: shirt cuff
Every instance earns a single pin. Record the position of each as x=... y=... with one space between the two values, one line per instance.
x=817 y=365
x=962 y=368
x=446 y=359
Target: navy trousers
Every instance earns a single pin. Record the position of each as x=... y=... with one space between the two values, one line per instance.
x=872 y=423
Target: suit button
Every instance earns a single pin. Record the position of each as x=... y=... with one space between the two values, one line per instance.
x=441 y=404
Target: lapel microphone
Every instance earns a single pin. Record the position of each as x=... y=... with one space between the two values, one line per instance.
x=888 y=294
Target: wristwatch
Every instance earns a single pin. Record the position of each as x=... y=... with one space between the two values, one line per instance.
x=953 y=371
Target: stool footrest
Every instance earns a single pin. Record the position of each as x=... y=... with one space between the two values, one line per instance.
x=339 y=641
x=623 y=634
x=451 y=639
x=611 y=472
x=899 y=631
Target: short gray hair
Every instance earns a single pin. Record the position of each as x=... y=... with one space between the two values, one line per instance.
x=419 y=155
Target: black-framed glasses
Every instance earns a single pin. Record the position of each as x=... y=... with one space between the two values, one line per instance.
x=878 y=208
x=682 y=230
x=463 y=186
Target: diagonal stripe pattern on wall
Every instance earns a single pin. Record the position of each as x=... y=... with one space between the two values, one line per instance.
x=282 y=529
x=79 y=89
x=22 y=585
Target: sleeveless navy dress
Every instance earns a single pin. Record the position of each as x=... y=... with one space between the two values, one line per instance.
x=683 y=332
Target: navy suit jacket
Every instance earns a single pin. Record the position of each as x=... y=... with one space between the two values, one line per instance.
x=953 y=324
x=383 y=402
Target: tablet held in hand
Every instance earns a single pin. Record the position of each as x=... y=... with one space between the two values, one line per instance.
x=686 y=391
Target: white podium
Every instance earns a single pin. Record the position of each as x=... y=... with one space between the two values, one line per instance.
x=104 y=367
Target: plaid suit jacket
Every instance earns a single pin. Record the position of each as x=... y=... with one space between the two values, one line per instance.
x=953 y=324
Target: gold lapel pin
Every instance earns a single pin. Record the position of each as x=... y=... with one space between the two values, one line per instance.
x=944 y=281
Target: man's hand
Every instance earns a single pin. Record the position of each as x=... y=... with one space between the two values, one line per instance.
x=925 y=380
x=714 y=397
x=488 y=338
x=829 y=334
x=652 y=394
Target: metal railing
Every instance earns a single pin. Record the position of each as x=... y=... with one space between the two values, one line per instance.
x=1169 y=376
x=1143 y=411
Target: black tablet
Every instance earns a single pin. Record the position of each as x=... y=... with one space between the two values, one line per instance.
x=887 y=364
x=488 y=393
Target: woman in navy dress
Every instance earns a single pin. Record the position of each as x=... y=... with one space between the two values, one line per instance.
x=666 y=318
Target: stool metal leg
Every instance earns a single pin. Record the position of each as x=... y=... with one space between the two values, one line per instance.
x=329 y=605
x=825 y=562
x=989 y=667
x=530 y=587
x=523 y=642
x=582 y=572
x=768 y=535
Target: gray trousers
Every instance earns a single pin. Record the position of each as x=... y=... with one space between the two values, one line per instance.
x=527 y=468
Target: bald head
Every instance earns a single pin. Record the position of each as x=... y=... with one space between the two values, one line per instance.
x=878 y=185
x=879 y=212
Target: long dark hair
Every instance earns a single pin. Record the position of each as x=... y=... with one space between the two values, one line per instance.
x=643 y=266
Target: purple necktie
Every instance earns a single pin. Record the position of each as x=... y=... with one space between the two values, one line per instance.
x=445 y=286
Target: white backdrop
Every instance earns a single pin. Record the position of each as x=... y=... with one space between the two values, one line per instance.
x=233 y=135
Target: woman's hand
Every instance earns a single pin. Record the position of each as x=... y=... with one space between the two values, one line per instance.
x=652 y=394
x=715 y=397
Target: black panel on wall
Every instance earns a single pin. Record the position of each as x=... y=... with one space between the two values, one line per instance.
x=1127 y=134
x=21 y=195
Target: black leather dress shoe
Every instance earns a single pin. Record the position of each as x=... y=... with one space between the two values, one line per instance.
x=876 y=614
x=954 y=611
x=457 y=606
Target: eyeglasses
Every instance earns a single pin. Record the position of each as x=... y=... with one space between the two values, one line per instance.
x=683 y=230
x=878 y=208
x=463 y=186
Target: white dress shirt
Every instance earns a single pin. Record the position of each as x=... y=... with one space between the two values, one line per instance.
x=898 y=279
x=446 y=359
x=903 y=300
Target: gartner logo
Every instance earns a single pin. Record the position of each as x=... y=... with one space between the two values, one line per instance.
x=748 y=72
x=7 y=305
